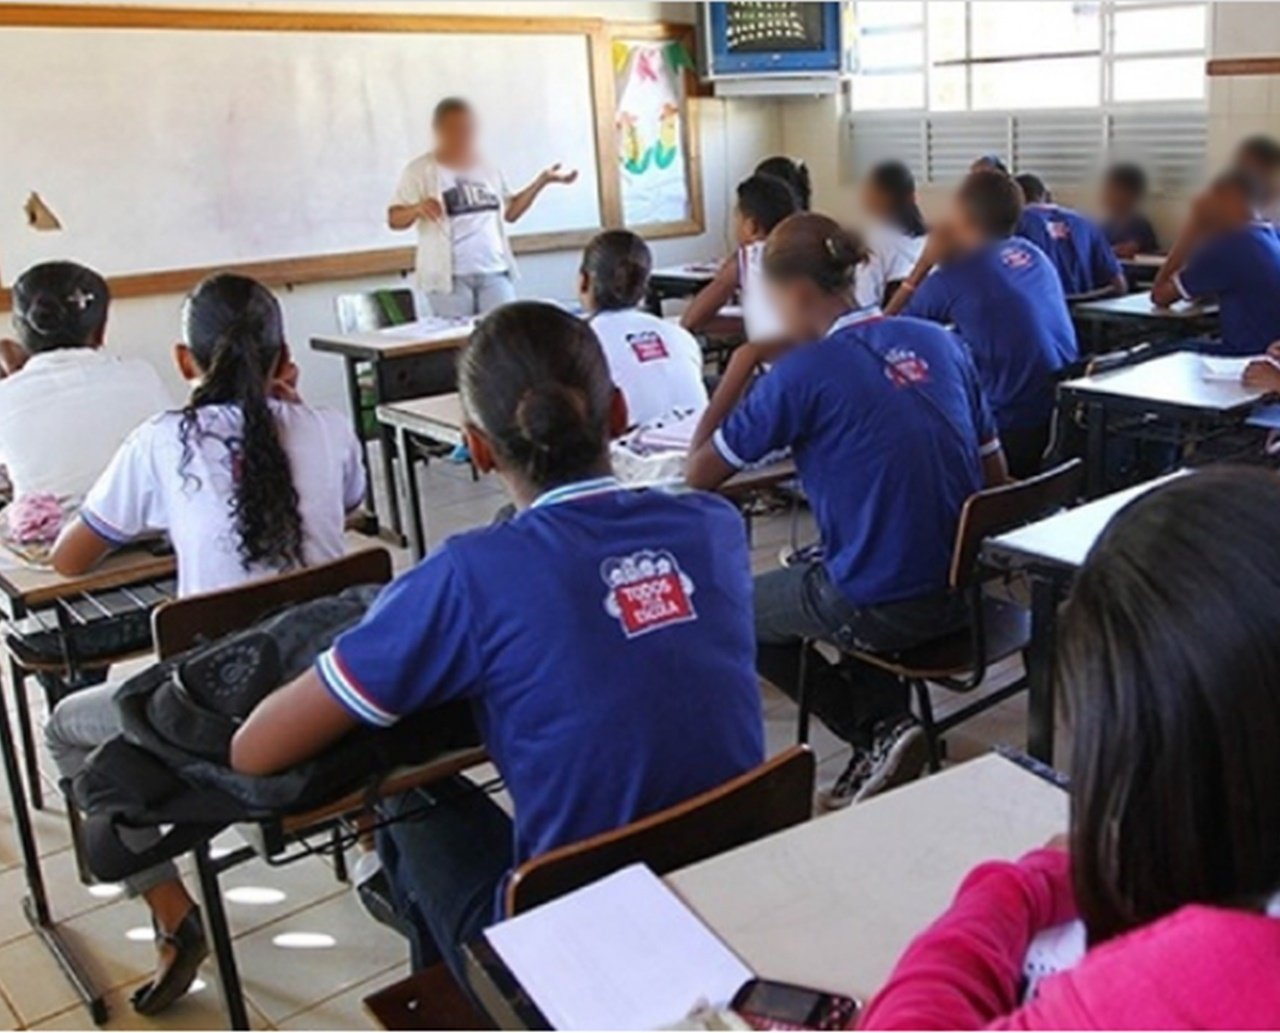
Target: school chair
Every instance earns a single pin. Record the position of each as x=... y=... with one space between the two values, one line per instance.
x=998 y=628
x=767 y=799
x=178 y=626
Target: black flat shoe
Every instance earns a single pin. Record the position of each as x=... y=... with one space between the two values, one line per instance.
x=189 y=950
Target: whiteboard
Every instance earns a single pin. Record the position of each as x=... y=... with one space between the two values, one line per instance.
x=166 y=150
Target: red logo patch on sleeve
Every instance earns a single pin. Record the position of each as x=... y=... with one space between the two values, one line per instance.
x=647 y=346
x=647 y=591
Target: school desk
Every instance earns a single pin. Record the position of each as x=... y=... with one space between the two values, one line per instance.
x=833 y=903
x=1049 y=552
x=419 y=420
x=1137 y=315
x=1171 y=389
x=405 y=363
x=1140 y=270
x=23 y=589
x=678 y=281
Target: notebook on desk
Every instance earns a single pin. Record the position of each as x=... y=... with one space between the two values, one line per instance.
x=621 y=953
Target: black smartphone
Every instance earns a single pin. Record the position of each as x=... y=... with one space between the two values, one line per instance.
x=764 y=1004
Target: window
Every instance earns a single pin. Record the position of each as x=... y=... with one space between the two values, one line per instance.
x=999 y=55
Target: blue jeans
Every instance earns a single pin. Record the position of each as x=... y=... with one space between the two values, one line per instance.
x=446 y=854
x=473 y=294
x=800 y=602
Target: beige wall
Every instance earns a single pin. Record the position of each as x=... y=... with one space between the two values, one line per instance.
x=1237 y=107
x=734 y=136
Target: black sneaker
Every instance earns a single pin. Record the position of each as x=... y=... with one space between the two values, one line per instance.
x=898 y=755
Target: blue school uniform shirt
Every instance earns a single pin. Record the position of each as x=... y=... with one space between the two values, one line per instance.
x=1242 y=270
x=1135 y=229
x=1075 y=244
x=606 y=638
x=886 y=421
x=1007 y=303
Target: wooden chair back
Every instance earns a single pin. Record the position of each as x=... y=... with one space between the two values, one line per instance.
x=765 y=800
x=375 y=310
x=997 y=510
x=180 y=624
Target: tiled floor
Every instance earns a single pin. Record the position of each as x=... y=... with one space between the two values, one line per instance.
x=307 y=953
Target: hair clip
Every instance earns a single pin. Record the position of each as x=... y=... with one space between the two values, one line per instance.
x=80 y=298
x=832 y=250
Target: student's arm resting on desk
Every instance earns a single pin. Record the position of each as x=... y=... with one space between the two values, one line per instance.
x=415 y=648
x=964 y=971
x=1165 y=289
x=708 y=302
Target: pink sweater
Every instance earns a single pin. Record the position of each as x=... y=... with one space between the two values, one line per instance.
x=1198 y=968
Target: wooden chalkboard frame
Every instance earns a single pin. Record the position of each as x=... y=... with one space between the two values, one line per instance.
x=305 y=269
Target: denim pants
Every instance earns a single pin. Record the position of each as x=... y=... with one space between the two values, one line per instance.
x=446 y=853
x=78 y=725
x=800 y=602
x=473 y=295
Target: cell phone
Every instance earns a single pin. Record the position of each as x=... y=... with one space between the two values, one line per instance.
x=765 y=1004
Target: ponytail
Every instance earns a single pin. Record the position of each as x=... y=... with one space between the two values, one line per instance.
x=535 y=380
x=894 y=180
x=235 y=333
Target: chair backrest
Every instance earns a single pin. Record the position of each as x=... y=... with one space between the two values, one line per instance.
x=375 y=310
x=765 y=800
x=997 y=510
x=182 y=623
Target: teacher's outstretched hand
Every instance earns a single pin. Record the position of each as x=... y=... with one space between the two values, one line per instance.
x=460 y=206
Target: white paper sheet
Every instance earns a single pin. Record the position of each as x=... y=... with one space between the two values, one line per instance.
x=429 y=327
x=622 y=953
x=1230 y=369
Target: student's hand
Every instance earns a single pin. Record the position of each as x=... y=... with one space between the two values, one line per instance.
x=1126 y=249
x=557 y=173
x=1262 y=375
x=431 y=209
x=1062 y=841
x=12 y=356
x=1274 y=349
x=285 y=385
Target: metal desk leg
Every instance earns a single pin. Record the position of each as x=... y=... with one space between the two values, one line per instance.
x=22 y=709
x=413 y=502
x=1095 y=450
x=215 y=916
x=36 y=904
x=387 y=440
x=357 y=422
x=1040 y=689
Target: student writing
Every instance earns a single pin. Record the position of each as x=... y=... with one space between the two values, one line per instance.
x=1073 y=242
x=655 y=364
x=66 y=403
x=603 y=634
x=1225 y=251
x=887 y=424
x=1169 y=663
x=247 y=481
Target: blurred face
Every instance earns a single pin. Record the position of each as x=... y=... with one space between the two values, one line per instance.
x=962 y=230
x=1225 y=207
x=745 y=228
x=456 y=132
x=873 y=200
x=1116 y=200
x=799 y=305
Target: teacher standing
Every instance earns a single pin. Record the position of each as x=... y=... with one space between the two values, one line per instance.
x=461 y=205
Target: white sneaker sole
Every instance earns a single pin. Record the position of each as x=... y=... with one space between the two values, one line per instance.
x=906 y=761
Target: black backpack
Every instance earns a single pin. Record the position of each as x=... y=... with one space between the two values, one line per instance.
x=169 y=768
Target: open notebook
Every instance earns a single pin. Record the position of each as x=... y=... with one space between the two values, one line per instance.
x=622 y=953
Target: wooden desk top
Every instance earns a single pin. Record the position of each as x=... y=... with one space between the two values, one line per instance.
x=1140 y=306
x=31 y=587
x=1064 y=539
x=396 y=341
x=832 y=904
x=1176 y=379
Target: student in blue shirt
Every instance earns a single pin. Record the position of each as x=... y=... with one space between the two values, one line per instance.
x=1075 y=244
x=603 y=636
x=890 y=433
x=1129 y=231
x=1227 y=252
x=1005 y=300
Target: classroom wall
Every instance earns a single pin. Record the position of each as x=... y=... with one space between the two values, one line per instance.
x=734 y=136
x=1237 y=106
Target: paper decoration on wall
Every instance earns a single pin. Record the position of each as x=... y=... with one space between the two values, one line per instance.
x=650 y=126
x=39 y=214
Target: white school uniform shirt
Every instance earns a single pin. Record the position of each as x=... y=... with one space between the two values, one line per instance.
x=472 y=238
x=147 y=489
x=893 y=256
x=64 y=414
x=758 y=315
x=655 y=364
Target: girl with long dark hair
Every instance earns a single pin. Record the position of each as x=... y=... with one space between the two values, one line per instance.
x=895 y=231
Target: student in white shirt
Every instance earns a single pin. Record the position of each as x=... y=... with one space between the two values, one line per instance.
x=895 y=233
x=460 y=205
x=248 y=481
x=66 y=404
x=655 y=364
x=763 y=202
